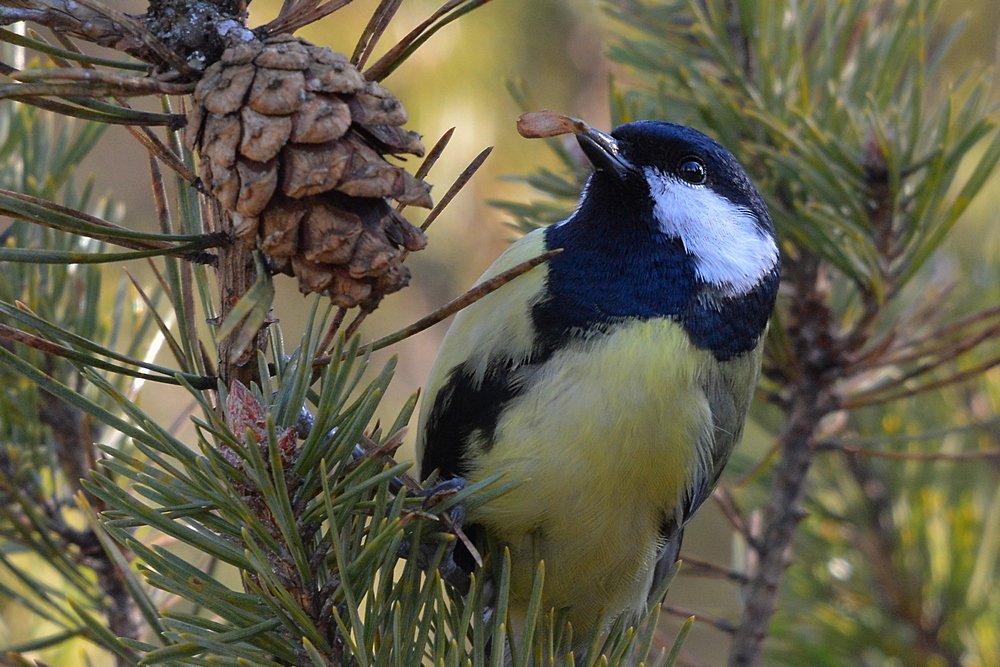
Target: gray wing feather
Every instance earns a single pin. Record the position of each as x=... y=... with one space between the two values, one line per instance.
x=669 y=554
x=728 y=392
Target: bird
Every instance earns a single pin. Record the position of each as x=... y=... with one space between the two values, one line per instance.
x=613 y=380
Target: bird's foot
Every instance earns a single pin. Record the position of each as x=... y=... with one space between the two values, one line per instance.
x=451 y=571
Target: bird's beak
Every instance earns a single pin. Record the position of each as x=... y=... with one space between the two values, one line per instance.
x=603 y=152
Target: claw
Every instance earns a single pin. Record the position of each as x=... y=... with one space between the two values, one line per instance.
x=449 y=569
x=442 y=491
x=458 y=575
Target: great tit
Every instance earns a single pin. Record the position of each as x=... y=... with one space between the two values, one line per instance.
x=616 y=378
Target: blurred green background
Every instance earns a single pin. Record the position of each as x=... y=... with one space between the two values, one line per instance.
x=458 y=80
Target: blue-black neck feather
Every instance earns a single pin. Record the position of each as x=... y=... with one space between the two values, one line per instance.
x=616 y=265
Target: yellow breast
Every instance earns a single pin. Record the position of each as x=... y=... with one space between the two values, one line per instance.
x=607 y=437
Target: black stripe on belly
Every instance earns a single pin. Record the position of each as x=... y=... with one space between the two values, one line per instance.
x=464 y=411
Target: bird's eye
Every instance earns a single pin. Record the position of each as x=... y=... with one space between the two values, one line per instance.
x=692 y=170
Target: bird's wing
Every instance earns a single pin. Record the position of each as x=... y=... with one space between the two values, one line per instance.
x=669 y=554
x=475 y=372
x=728 y=389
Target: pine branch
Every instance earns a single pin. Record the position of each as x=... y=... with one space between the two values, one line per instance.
x=73 y=18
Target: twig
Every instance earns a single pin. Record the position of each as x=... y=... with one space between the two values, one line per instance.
x=430 y=160
x=172 y=343
x=301 y=14
x=48 y=347
x=816 y=352
x=40 y=344
x=78 y=89
x=71 y=431
x=289 y=6
x=942 y=354
x=34 y=41
x=208 y=240
x=145 y=118
x=159 y=195
x=67 y=16
x=434 y=154
x=765 y=462
x=926 y=314
x=941 y=351
x=933 y=434
x=720 y=624
x=151 y=41
x=153 y=144
x=74 y=54
x=879 y=543
x=331 y=331
x=938 y=340
x=160 y=279
x=237 y=275
x=356 y=323
x=207 y=364
x=947 y=331
x=142 y=133
x=723 y=497
x=876 y=356
x=194 y=343
x=958 y=457
x=695 y=567
x=376 y=27
x=870 y=398
x=459 y=183
x=387 y=63
x=450 y=308
x=127 y=82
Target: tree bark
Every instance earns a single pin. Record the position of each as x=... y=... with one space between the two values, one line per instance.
x=819 y=360
x=237 y=274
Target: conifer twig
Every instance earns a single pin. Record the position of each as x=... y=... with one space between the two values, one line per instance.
x=377 y=24
x=332 y=329
x=727 y=505
x=720 y=624
x=297 y=14
x=148 y=39
x=951 y=457
x=356 y=323
x=168 y=336
x=68 y=16
x=452 y=307
x=456 y=187
x=434 y=154
x=696 y=567
x=48 y=347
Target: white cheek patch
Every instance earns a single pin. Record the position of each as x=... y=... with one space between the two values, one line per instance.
x=730 y=250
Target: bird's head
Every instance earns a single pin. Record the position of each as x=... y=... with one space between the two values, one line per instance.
x=684 y=185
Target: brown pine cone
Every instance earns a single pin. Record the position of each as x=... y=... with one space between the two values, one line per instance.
x=291 y=139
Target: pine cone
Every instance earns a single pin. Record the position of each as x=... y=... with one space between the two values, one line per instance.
x=291 y=139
